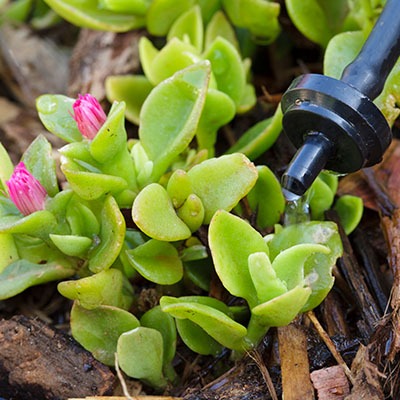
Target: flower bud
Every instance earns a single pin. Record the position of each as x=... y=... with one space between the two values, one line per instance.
x=88 y=115
x=25 y=191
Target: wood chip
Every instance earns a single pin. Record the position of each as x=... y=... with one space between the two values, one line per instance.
x=38 y=362
x=296 y=383
x=330 y=383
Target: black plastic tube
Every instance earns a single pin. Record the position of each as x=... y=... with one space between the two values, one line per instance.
x=368 y=72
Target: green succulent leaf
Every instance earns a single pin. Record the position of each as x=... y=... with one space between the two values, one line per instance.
x=55 y=112
x=218 y=110
x=192 y=212
x=281 y=310
x=38 y=224
x=107 y=288
x=72 y=245
x=318 y=20
x=289 y=263
x=227 y=68
x=132 y=89
x=215 y=322
x=264 y=277
x=98 y=329
x=155 y=215
x=87 y=14
x=219 y=26
x=8 y=250
x=22 y=274
x=320 y=198
x=136 y=7
x=318 y=266
x=258 y=16
x=350 y=210
x=157 y=261
x=232 y=240
x=111 y=138
x=6 y=167
x=111 y=237
x=260 y=137
x=266 y=198
x=179 y=187
x=40 y=163
x=189 y=26
x=91 y=185
x=197 y=339
x=162 y=14
x=221 y=182
x=164 y=136
x=341 y=51
x=140 y=355
x=165 y=324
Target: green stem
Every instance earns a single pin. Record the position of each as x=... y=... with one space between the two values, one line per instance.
x=255 y=333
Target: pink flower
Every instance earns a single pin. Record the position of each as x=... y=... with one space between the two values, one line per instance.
x=88 y=115
x=26 y=192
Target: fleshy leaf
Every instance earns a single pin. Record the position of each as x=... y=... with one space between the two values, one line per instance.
x=162 y=14
x=111 y=138
x=98 y=330
x=260 y=137
x=350 y=210
x=232 y=240
x=8 y=250
x=87 y=14
x=219 y=109
x=266 y=198
x=133 y=89
x=197 y=339
x=220 y=26
x=155 y=215
x=107 y=288
x=221 y=182
x=320 y=198
x=215 y=322
x=55 y=112
x=281 y=310
x=258 y=16
x=192 y=212
x=6 y=167
x=289 y=263
x=22 y=274
x=227 y=68
x=91 y=185
x=72 y=245
x=318 y=20
x=157 y=261
x=319 y=265
x=189 y=26
x=137 y=7
x=171 y=113
x=38 y=158
x=111 y=238
x=39 y=224
x=165 y=324
x=264 y=278
x=341 y=51
x=140 y=355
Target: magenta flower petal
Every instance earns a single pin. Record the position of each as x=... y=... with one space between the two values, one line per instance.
x=25 y=191
x=88 y=115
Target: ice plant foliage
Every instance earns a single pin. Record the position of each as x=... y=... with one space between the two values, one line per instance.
x=26 y=192
x=88 y=115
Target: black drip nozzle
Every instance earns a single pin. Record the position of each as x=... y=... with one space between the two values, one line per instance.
x=334 y=123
